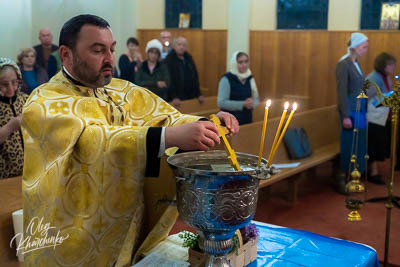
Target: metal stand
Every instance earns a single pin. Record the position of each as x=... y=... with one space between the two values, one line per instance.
x=395 y=200
x=393 y=102
x=389 y=204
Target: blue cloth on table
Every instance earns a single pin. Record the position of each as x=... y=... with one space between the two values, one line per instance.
x=280 y=246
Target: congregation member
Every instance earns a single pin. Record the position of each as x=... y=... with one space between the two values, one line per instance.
x=46 y=47
x=11 y=102
x=90 y=141
x=165 y=38
x=237 y=90
x=379 y=117
x=183 y=73
x=153 y=74
x=54 y=64
x=32 y=74
x=349 y=83
x=130 y=62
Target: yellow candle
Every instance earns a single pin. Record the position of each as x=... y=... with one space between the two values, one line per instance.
x=278 y=131
x=283 y=132
x=267 y=105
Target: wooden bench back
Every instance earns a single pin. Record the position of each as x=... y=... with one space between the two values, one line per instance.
x=322 y=127
x=210 y=106
x=277 y=107
x=192 y=106
x=10 y=201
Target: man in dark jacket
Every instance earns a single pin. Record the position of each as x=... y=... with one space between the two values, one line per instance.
x=183 y=74
x=44 y=50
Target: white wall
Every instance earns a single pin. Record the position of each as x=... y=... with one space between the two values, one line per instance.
x=54 y=13
x=24 y=19
x=238 y=28
x=344 y=15
x=215 y=14
x=15 y=29
x=150 y=14
x=263 y=14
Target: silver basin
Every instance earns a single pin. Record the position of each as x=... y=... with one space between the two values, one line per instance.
x=216 y=202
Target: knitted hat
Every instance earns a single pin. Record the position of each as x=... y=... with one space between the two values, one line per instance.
x=8 y=62
x=154 y=44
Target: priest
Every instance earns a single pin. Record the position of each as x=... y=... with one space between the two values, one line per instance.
x=90 y=139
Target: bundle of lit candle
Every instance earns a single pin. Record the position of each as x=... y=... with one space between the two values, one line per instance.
x=277 y=140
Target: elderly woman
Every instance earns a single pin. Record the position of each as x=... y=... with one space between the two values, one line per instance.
x=237 y=91
x=349 y=82
x=153 y=74
x=11 y=102
x=32 y=74
x=378 y=117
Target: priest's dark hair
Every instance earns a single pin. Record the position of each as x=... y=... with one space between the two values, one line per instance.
x=70 y=31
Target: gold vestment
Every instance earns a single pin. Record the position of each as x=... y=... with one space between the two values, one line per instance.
x=85 y=160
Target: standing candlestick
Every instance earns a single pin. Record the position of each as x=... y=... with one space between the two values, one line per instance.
x=267 y=105
x=278 y=131
x=283 y=133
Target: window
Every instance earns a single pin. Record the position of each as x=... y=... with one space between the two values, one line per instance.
x=174 y=7
x=371 y=14
x=303 y=14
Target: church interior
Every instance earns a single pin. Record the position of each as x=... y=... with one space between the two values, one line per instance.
x=295 y=77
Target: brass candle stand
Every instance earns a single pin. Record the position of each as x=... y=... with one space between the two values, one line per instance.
x=393 y=102
x=355 y=188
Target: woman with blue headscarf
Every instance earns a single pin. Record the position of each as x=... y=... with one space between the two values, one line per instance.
x=349 y=83
x=237 y=91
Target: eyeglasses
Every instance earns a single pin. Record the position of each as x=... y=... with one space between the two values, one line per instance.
x=14 y=83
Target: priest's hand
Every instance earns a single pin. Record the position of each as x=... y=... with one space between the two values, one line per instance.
x=200 y=135
x=229 y=121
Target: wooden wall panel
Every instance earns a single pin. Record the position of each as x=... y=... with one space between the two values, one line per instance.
x=304 y=62
x=208 y=48
x=283 y=62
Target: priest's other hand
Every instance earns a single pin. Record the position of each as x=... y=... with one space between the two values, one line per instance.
x=229 y=121
x=200 y=135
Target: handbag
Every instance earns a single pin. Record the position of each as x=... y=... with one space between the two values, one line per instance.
x=297 y=144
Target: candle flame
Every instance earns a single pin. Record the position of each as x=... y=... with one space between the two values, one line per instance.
x=286 y=105
x=166 y=43
x=294 y=107
x=268 y=103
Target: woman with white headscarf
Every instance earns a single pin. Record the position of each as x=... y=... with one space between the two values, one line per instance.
x=237 y=91
x=349 y=82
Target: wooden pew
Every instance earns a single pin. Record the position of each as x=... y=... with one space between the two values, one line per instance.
x=277 y=106
x=323 y=130
x=193 y=106
x=11 y=200
x=211 y=106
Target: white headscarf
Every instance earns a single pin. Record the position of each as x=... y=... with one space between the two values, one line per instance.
x=234 y=69
x=356 y=39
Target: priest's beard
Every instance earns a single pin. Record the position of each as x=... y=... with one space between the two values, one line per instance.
x=89 y=76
